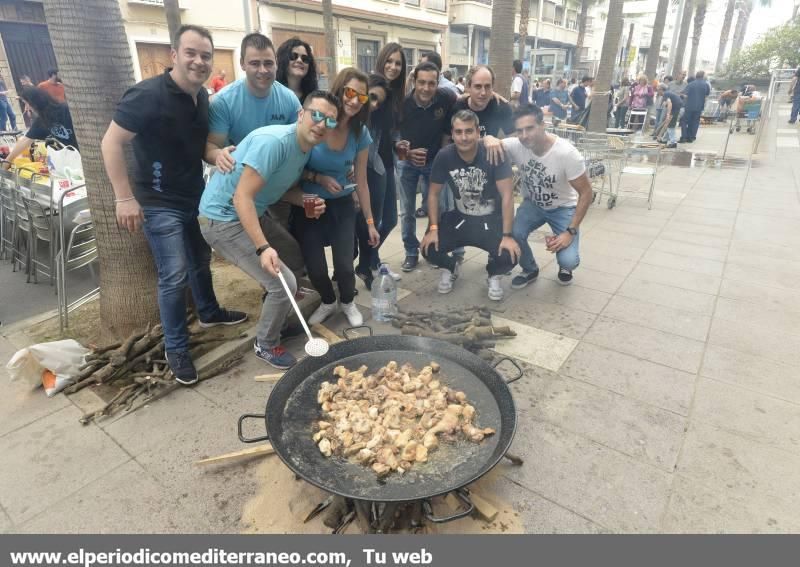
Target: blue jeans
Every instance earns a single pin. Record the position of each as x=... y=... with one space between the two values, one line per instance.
x=529 y=218
x=383 y=199
x=6 y=110
x=409 y=178
x=795 y=108
x=182 y=257
x=691 y=123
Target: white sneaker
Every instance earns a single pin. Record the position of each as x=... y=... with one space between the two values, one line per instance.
x=495 y=289
x=353 y=315
x=395 y=276
x=446 y=283
x=322 y=312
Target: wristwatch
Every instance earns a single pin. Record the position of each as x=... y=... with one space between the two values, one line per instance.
x=260 y=249
x=509 y=234
x=572 y=231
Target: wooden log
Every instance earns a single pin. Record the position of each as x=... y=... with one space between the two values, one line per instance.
x=269 y=377
x=483 y=507
x=265 y=449
x=326 y=333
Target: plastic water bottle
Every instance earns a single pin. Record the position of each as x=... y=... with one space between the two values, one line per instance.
x=384 y=296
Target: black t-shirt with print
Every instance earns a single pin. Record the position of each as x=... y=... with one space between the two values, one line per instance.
x=60 y=128
x=474 y=185
x=495 y=117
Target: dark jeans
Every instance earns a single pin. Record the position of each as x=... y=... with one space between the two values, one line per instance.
x=378 y=184
x=6 y=110
x=182 y=258
x=795 y=109
x=337 y=229
x=458 y=230
x=622 y=113
x=691 y=123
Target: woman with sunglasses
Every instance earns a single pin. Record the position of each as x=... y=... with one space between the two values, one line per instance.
x=296 y=67
x=346 y=146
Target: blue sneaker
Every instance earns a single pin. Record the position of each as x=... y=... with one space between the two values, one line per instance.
x=182 y=368
x=225 y=317
x=277 y=356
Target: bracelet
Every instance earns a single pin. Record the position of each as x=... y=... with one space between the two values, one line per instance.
x=433 y=227
x=123 y=200
x=509 y=234
x=370 y=221
x=260 y=250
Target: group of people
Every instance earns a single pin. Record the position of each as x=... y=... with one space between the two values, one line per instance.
x=300 y=169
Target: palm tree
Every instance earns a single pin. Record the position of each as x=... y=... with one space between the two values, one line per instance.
x=699 y=20
x=582 y=18
x=598 y=115
x=654 y=52
x=501 y=44
x=680 y=50
x=330 y=36
x=745 y=9
x=173 y=13
x=524 y=16
x=723 y=36
x=94 y=59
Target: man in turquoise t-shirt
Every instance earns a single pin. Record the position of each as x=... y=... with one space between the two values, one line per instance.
x=268 y=162
x=249 y=103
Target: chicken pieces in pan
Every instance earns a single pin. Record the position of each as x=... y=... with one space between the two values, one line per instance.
x=393 y=418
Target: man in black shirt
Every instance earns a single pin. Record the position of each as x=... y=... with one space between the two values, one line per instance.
x=493 y=115
x=166 y=119
x=670 y=108
x=424 y=127
x=484 y=207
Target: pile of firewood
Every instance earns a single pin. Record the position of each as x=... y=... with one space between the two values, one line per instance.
x=471 y=328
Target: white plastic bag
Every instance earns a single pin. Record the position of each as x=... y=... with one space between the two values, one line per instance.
x=52 y=365
x=65 y=167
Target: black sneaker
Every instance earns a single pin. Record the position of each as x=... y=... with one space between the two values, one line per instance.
x=671 y=146
x=524 y=279
x=420 y=213
x=410 y=263
x=366 y=277
x=182 y=368
x=564 y=276
x=225 y=317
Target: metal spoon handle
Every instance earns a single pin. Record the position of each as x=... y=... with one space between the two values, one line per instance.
x=294 y=304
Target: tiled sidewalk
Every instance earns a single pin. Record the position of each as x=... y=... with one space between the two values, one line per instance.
x=661 y=390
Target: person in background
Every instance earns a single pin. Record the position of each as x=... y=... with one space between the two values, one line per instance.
x=5 y=107
x=493 y=115
x=623 y=103
x=641 y=95
x=677 y=85
x=297 y=69
x=794 y=92
x=269 y=161
x=345 y=148
x=671 y=106
x=27 y=112
x=218 y=81
x=460 y=84
x=696 y=93
x=520 y=92
x=579 y=97
x=543 y=95
x=659 y=102
x=50 y=120
x=54 y=86
x=165 y=118
x=559 y=100
x=436 y=59
x=572 y=84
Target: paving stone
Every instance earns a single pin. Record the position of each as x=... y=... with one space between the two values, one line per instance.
x=5 y=523
x=639 y=430
x=668 y=296
x=685 y=263
x=768 y=297
x=574 y=296
x=775 y=251
x=781 y=321
x=757 y=262
x=616 y=237
x=126 y=500
x=611 y=249
x=692 y=250
x=21 y=405
x=607 y=264
x=660 y=317
x=51 y=458
x=601 y=484
x=535 y=346
x=755 y=339
x=757 y=417
x=673 y=235
x=591 y=279
x=656 y=346
x=677 y=278
x=752 y=372
x=522 y=308
x=697 y=508
x=633 y=377
x=691 y=226
x=635 y=217
x=630 y=228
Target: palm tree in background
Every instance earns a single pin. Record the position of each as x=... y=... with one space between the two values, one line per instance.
x=699 y=20
x=745 y=9
x=501 y=44
x=582 y=19
x=524 y=16
x=97 y=67
x=723 y=36
x=654 y=52
x=598 y=115
x=680 y=49
x=330 y=37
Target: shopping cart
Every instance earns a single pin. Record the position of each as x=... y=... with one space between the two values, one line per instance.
x=749 y=110
x=604 y=156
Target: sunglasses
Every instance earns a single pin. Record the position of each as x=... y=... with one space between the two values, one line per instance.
x=293 y=56
x=352 y=93
x=318 y=116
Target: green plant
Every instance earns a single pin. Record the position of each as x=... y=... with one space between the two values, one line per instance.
x=777 y=48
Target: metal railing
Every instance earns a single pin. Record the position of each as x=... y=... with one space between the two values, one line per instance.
x=779 y=77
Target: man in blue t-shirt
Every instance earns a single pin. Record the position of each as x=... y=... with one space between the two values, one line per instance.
x=695 y=93
x=268 y=162
x=249 y=103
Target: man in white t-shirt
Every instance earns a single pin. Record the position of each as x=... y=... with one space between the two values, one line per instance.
x=556 y=189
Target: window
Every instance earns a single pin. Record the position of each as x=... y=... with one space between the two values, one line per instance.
x=549 y=13
x=572 y=19
x=559 y=21
x=439 y=5
x=412 y=3
x=545 y=64
x=459 y=43
x=367 y=53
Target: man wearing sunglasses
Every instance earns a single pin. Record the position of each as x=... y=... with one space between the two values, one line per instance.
x=268 y=162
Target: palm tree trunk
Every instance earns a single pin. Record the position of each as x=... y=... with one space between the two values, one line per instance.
x=654 y=53
x=625 y=54
x=680 y=50
x=581 y=30
x=699 y=20
x=723 y=36
x=741 y=27
x=330 y=37
x=94 y=59
x=598 y=115
x=524 y=15
x=501 y=44
x=173 y=18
